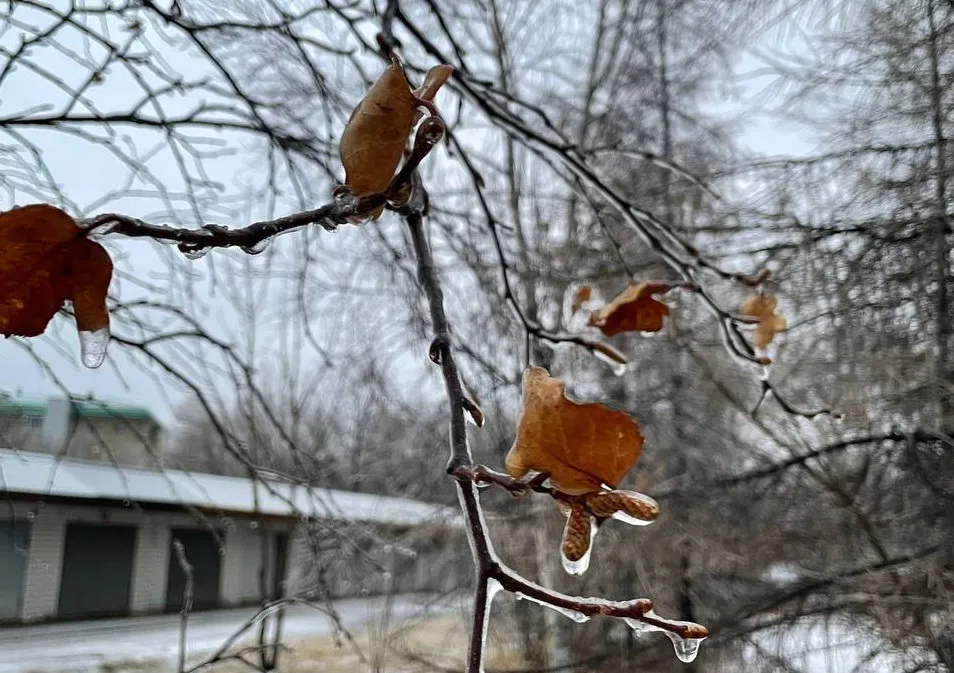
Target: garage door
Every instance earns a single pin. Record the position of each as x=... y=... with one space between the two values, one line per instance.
x=14 y=543
x=202 y=553
x=97 y=570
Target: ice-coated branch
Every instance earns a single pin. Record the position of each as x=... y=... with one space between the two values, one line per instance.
x=492 y=573
x=346 y=208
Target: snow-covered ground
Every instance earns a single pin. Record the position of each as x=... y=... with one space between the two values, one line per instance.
x=83 y=647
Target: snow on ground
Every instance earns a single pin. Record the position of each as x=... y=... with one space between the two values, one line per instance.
x=84 y=647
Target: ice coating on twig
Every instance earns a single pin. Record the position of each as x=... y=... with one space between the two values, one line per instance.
x=686 y=647
x=493 y=588
x=194 y=252
x=566 y=612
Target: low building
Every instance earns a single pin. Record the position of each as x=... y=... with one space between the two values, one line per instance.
x=115 y=433
x=82 y=538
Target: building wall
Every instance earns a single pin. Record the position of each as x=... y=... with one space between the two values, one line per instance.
x=151 y=557
x=42 y=581
x=131 y=441
x=150 y=567
x=123 y=441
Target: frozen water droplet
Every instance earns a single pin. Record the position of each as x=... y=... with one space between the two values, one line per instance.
x=126 y=503
x=257 y=248
x=686 y=648
x=193 y=251
x=253 y=525
x=93 y=345
x=579 y=567
x=30 y=515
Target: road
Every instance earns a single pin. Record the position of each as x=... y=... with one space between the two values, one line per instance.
x=83 y=647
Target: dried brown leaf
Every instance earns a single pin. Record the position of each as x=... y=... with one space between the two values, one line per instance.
x=633 y=310
x=581 y=446
x=374 y=139
x=45 y=260
x=762 y=307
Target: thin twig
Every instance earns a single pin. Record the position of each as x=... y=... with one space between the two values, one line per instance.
x=489 y=567
x=187 y=596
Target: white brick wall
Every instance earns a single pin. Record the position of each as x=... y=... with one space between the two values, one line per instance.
x=150 y=567
x=239 y=577
x=41 y=589
x=230 y=581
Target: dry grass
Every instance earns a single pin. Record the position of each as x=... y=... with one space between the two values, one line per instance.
x=435 y=644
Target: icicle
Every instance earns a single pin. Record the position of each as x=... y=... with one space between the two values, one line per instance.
x=93 y=345
x=686 y=648
x=576 y=616
x=257 y=248
x=580 y=566
x=493 y=588
x=193 y=251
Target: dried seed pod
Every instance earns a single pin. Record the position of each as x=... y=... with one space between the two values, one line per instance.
x=576 y=535
x=630 y=504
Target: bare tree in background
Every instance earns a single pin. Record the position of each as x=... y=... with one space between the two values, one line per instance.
x=573 y=137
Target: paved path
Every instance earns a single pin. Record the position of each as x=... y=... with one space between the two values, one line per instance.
x=82 y=647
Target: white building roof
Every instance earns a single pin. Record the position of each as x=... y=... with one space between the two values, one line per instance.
x=44 y=475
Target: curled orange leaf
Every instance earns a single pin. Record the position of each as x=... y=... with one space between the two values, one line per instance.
x=581 y=446
x=373 y=141
x=433 y=81
x=633 y=310
x=46 y=260
x=762 y=307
